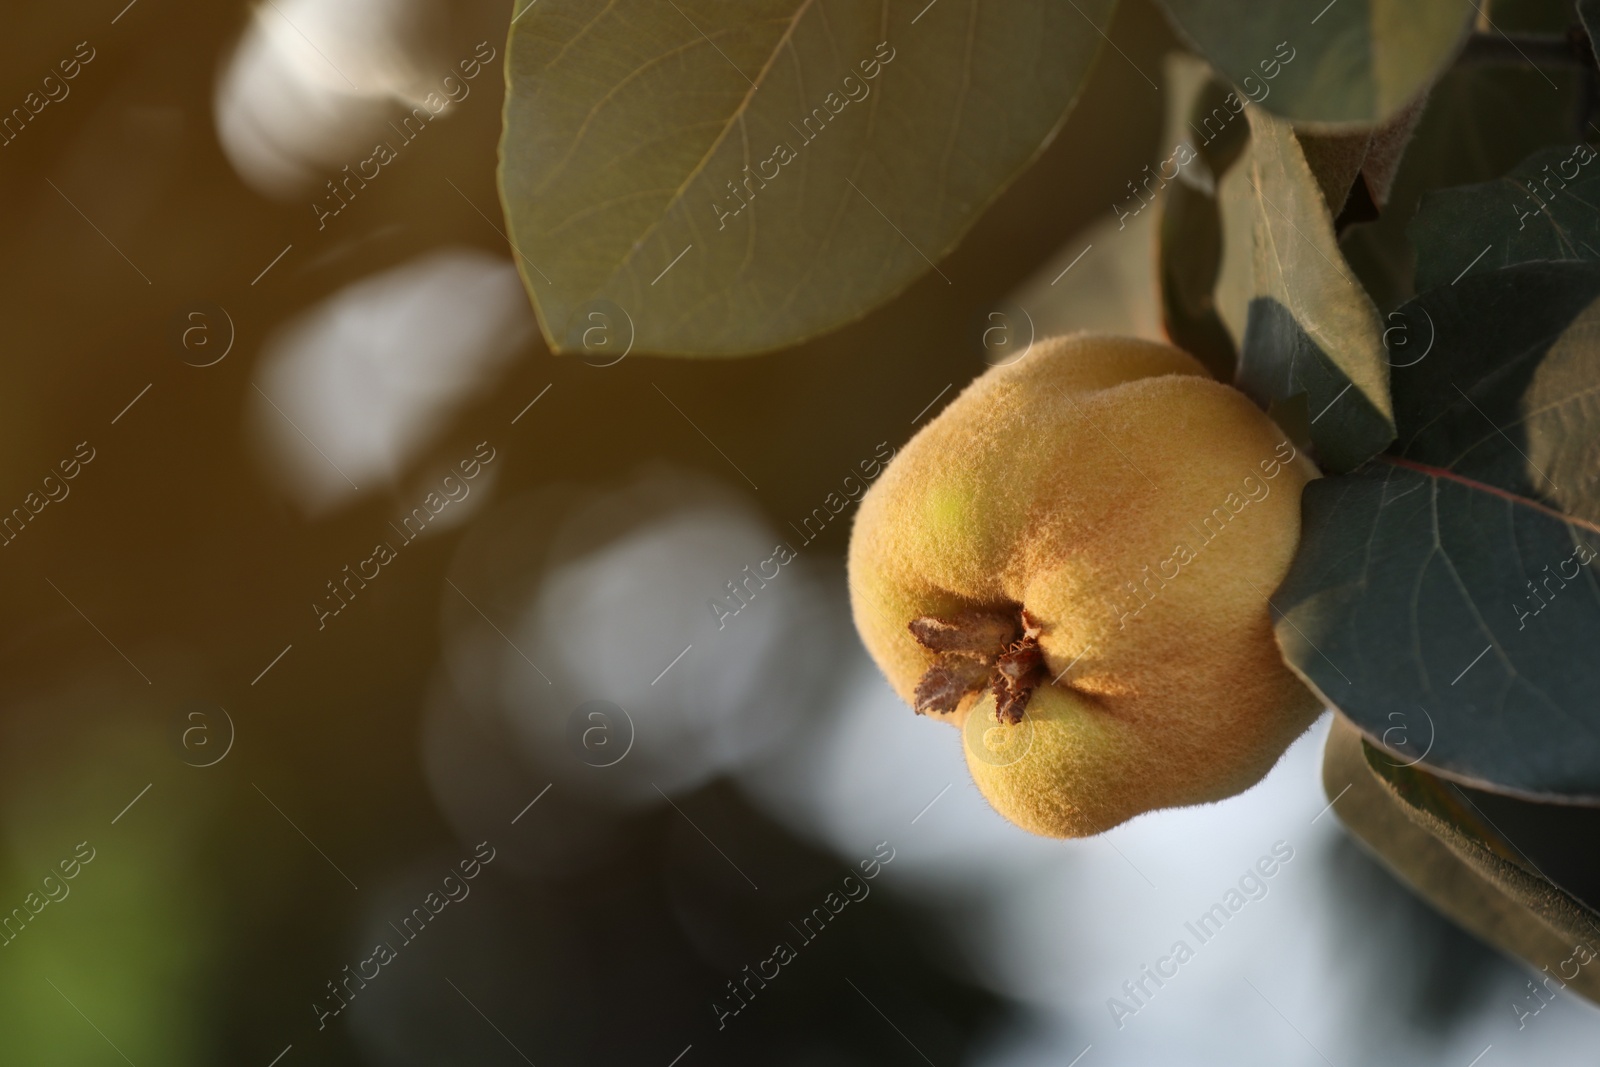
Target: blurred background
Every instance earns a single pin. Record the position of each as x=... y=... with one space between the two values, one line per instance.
x=361 y=696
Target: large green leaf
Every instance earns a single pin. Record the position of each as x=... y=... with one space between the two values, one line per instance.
x=1548 y=208
x=1356 y=62
x=1312 y=328
x=740 y=177
x=1455 y=582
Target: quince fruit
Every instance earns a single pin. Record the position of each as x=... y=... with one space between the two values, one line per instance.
x=1072 y=563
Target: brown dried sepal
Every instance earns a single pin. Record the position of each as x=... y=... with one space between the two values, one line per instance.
x=1016 y=673
x=949 y=680
x=981 y=634
x=1031 y=627
x=975 y=649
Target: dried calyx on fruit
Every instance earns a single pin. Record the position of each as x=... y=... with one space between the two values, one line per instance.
x=974 y=650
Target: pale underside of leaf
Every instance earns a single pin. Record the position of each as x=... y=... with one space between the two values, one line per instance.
x=1313 y=328
x=1466 y=875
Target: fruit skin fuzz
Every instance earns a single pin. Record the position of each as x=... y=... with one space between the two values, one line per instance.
x=993 y=565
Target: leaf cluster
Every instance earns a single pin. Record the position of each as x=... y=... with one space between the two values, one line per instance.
x=1381 y=221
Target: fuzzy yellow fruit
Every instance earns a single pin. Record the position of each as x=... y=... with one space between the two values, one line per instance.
x=1072 y=563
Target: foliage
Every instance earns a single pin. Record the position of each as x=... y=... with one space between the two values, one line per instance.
x=1381 y=221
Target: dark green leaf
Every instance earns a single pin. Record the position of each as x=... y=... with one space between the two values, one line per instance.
x=873 y=138
x=1453 y=583
x=1479 y=122
x=1548 y=208
x=1355 y=62
x=1312 y=328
